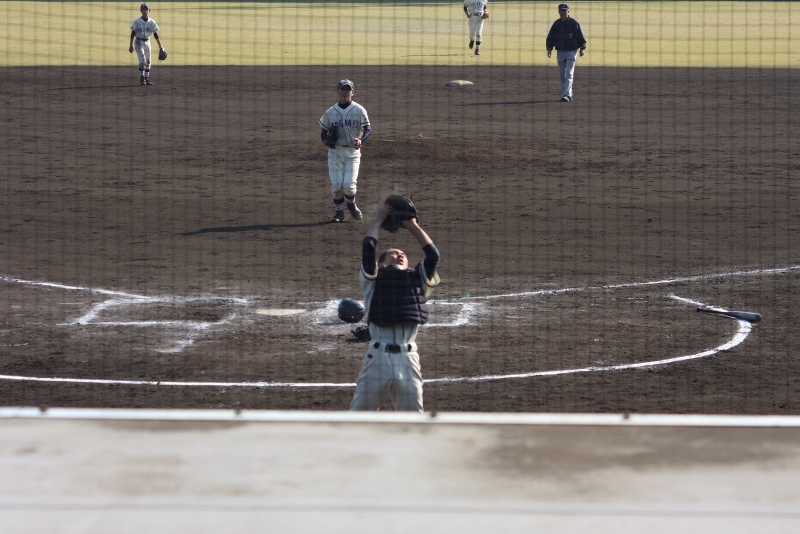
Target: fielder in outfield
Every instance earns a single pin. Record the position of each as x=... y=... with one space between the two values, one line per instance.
x=476 y=12
x=141 y=30
x=395 y=297
x=344 y=156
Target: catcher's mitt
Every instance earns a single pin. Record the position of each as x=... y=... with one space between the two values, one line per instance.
x=485 y=16
x=333 y=136
x=362 y=333
x=403 y=210
x=351 y=311
x=162 y=54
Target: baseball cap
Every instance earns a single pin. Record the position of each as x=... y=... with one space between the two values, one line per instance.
x=562 y=7
x=342 y=83
x=144 y=6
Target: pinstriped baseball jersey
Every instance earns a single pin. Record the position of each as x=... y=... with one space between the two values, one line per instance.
x=144 y=28
x=352 y=121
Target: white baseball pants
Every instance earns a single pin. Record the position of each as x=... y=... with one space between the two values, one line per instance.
x=143 y=53
x=384 y=369
x=343 y=164
x=566 y=69
x=475 y=28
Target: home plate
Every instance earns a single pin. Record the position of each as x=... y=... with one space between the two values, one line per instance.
x=458 y=83
x=278 y=311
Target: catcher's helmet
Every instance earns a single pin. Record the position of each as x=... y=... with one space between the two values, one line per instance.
x=351 y=311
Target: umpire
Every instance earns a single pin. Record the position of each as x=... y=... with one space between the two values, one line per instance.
x=566 y=36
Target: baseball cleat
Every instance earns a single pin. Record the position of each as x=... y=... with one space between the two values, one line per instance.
x=142 y=82
x=339 y=217
x=565 y=99
x=471 y=44
x=477 y=51
x=148 y=82
x=354 y=211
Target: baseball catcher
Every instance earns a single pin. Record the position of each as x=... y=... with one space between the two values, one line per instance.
x=162 y=54
x=395 y=296
x=403 y=209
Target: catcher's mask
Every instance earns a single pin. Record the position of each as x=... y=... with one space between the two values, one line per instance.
x=351 y=311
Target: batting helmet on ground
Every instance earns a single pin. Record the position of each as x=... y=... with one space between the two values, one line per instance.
x=351 y=311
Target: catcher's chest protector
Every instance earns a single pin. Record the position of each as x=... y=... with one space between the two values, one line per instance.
x=399 y=298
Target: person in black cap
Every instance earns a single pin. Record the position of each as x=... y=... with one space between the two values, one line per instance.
x=566 y=36
x=351 y=123
x=395 y=297
x=141 y=30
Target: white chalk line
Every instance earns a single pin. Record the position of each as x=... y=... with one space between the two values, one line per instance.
x=742 y=333
x=74 y=288
x=190 y=329
x=629 y=284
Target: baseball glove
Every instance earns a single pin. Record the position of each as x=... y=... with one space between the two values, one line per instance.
x=162 y=54
x=362 y=333
x=403 y=210
x=351 y=311
x=333 y=136
x=485 y=16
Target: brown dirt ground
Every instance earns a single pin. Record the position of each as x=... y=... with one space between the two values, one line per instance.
x=208 y=194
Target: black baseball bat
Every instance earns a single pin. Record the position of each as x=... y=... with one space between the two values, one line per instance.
x=746 y=316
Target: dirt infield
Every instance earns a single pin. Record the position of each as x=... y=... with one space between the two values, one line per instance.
x=156 y=234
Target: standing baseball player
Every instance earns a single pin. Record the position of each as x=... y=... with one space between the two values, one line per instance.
x=395 y=298
x=476 y=13
x=345 y=128
x=141 y=30
x=567 y=37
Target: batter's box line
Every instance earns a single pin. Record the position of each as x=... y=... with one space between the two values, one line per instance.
x=744 y=328
x=189 y=330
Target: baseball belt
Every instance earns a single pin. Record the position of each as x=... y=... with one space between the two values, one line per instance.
x=391 y=347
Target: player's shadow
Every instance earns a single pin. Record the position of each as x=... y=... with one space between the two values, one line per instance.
x=93 y=87
x=506 y=103
x=226 y=229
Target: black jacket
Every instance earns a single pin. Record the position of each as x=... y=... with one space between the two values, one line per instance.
x=565 y=35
